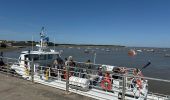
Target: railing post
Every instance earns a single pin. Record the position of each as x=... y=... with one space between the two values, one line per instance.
x=32 y=71
x=7 y=67
x=67 y=79
x=124 y=87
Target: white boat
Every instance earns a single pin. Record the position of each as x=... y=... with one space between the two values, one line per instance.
x=167 y=55
x=84 y=78
x=139 y=50
x=40 y=56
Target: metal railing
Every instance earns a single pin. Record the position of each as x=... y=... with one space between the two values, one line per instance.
x=64 y=77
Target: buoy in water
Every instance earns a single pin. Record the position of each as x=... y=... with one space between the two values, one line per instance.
x=132 y=53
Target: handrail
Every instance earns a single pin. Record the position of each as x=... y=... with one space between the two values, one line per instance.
x=94 y=72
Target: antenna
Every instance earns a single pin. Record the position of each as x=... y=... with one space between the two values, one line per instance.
x=42 y=35
x=44 y=39
x=32 y=42
x=54 y=43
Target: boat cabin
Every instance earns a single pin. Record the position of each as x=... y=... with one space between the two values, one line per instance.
x=42 y=58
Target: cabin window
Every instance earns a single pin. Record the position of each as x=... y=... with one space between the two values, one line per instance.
x=34 y=57
x=50 y=56
x=42 y=57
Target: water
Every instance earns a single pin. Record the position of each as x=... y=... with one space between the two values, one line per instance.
x=159 y=68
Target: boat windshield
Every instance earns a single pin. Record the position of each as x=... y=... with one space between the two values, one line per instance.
x=36 y=57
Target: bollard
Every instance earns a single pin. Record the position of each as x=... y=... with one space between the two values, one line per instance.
x=26 y=72
x=124 y=87
x=47 y=74
x=67 y=79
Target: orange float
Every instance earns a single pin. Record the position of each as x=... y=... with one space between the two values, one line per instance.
x=132 y=52
x=106 y=83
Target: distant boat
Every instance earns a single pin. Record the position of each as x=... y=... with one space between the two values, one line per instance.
x=164 y=50
x=167 y=55
x=151 y=50
x=107 y=50
x=102 y=49
x=139 y=50
x=86 y=51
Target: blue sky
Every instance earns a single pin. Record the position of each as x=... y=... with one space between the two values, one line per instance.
x=122 y=22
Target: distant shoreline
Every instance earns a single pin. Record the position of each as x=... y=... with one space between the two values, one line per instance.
x=10 y=48
x=89 y=45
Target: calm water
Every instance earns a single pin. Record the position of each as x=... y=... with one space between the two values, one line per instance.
x=159 y=68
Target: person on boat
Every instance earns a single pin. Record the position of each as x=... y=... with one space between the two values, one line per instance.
x=55 y=63
x=89 y=64
x=57 y=66
x=66 y=61
x=116 y=72
x=60 y=63
x=137 y=80
x=137 y=72
x=77 y=71
x=100 y=74
x=71 y=65
x=70 y=62
x=88 y=61
x=107 y=76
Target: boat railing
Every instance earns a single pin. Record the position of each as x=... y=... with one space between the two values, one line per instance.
x=64 y=77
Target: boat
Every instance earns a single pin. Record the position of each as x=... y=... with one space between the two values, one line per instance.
x=150 y=50
x=40 y=56
x=139 y=50
x=107 y=50
x=86 y=51
x=167 y=55
x=99 y=81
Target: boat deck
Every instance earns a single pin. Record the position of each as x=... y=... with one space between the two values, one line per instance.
x=93 y=93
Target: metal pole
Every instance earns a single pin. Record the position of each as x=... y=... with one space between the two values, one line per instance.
x=32 y=71
x=67 y=79
x=124 y=87
x=94 y=58
x=7 y=67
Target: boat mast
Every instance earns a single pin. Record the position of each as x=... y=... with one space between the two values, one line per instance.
x=94 y=60
x=54 y=43
x=44 y=39
x=42 y=35
x=32 y=42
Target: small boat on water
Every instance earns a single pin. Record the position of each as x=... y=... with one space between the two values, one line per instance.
x=139 y=50
x=167 y=55
x=86 y=51
x=107 y=50
x=150 y=50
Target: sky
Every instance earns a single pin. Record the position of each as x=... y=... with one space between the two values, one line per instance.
x=143 y=23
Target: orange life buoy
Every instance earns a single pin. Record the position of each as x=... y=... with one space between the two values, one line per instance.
x=106 y=84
